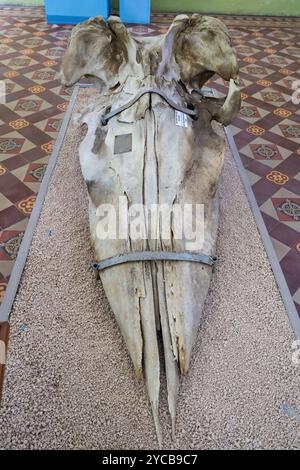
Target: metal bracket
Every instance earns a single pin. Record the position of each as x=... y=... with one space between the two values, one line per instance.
x=155 y=256
x=191 y=112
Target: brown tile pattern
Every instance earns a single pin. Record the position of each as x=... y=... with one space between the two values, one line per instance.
x=267 y=130
x=30 y=52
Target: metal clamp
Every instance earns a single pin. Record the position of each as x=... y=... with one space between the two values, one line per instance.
x=155 y=256
x=191 y=112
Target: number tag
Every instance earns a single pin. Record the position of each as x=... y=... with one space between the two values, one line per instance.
x=181 y=119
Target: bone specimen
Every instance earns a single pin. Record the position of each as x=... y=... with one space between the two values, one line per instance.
x=137 y=146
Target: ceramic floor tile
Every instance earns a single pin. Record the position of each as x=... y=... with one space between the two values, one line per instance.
x=280 y=248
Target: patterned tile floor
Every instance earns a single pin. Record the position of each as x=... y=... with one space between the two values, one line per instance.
x=266 y=132
x=30 y=52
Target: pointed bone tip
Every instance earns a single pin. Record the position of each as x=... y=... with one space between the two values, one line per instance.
x=138 y=373
x=173 y=421
x=230 y=106
x=233 y=85
x=157 y=424
x=159 y=438
x=158 y=435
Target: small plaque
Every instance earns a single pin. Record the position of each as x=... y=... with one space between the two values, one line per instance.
x=181 y=119
x=123 y=143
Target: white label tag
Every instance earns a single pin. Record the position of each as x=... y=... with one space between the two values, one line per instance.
x=181 y=119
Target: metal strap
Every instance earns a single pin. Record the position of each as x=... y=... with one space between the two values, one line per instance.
x=155 y=256
x=191 y=112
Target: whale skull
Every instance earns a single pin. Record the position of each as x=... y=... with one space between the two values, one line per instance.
x=140 y=154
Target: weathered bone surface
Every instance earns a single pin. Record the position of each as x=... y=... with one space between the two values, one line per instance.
x=142 y=154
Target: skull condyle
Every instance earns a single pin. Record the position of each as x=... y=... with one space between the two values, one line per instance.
x=135 y=149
